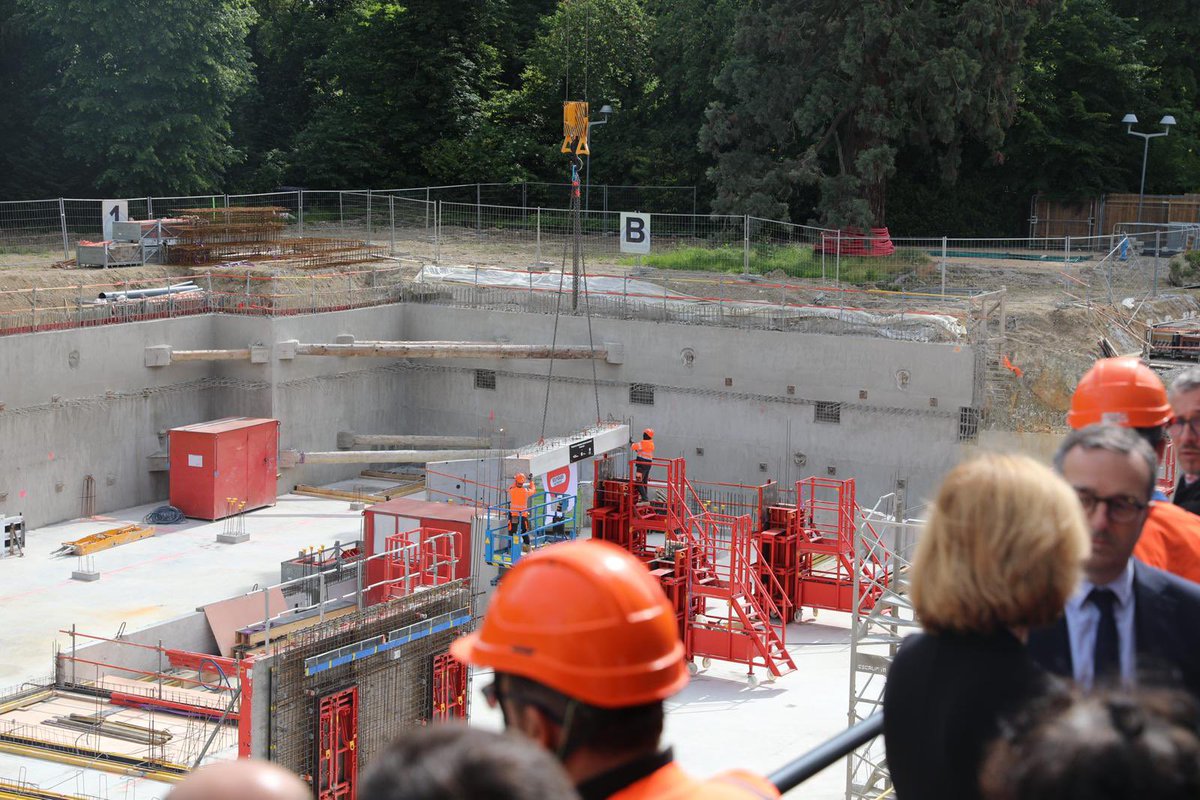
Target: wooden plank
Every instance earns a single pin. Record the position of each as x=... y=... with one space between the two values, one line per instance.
x=337 y=494
x=257 y=636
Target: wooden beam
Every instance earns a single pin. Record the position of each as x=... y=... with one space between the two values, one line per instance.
x=211 y=355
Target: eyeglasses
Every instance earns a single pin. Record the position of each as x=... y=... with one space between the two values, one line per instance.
x=1175 y=426
x=1119 y=509
x=492 y=694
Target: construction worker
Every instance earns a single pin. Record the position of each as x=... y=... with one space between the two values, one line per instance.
x=1126 y=392
x=644 y=453
x=586 y=675
x=518 y=506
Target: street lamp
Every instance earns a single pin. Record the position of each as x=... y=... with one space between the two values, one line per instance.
x=1130 y=120
x=605 y=109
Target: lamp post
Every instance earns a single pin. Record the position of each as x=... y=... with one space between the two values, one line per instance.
x=1130 y=120
x=605 y=109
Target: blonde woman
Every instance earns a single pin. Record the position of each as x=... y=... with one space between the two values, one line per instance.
x=1002 y=552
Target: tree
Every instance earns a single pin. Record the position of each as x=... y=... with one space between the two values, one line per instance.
x=826 y=92
x=395 y=80
x=144 y=90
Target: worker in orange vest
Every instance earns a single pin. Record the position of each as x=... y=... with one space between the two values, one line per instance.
x=518 y=506
x=644 y=454
x=1126 y=392
x=585 y=676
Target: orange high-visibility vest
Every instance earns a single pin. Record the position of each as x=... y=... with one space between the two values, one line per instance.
x=1170 y=540
x=644 y=449
x=518 y=498
x=672 y=783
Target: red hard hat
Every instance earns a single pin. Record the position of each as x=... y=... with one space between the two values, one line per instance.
x=648 y=433
x=1123 y=391
x=609 y=639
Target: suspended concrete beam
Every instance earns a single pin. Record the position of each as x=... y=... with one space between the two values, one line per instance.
x=538 y=459
x=348 y=440
x=294 y=458
x=164 y=355
x=450 y=350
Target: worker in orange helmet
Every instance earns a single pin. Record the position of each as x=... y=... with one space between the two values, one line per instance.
x=644 y=454
x=586 y=675
x=518 y=506
x=1126 y=392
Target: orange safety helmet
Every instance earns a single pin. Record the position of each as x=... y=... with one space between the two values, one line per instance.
x=609 y=639
x=519 y=478
x=1123 y=391
x=648 y=433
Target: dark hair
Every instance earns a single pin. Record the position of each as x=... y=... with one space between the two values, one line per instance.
x=1114 y=439
x=1106 y=746
x=447 y=761
x=632 y=729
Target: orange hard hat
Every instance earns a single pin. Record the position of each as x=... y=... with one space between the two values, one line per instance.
x=520 y=478
x=609 y=639
x=1123 y=391
x=648 y=433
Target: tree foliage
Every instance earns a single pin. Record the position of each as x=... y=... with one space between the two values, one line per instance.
x=931 y=115
x=143 y=91
x=826 y=92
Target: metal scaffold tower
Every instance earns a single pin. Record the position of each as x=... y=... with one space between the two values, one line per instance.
x=883 y=615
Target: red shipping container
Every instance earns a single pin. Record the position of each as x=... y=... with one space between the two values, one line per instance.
x=212 y=462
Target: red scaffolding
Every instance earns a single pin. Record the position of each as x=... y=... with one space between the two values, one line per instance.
x=337 y=746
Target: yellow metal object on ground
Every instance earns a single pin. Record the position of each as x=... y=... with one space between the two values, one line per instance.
x=106 y=539
x=575 y=127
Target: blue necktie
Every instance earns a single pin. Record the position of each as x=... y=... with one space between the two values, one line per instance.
x=1107 y=658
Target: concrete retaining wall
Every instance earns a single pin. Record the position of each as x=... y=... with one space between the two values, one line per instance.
x=739 y=405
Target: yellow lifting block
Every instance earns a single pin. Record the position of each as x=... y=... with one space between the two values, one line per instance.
x=575 y=127
x=106 y=539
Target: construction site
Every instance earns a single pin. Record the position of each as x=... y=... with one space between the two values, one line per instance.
x=256 y=457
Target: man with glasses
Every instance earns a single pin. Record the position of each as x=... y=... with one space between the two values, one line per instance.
x=1184 y=429
x=1126 y=392
x=1128 y=622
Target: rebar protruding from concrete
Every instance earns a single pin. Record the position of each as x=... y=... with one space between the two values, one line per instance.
x=348 y=440
x=450 y=350
x=293 y=458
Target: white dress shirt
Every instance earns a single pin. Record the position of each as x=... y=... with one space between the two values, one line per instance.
x=1083 y=619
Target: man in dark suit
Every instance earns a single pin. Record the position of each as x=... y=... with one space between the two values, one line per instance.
x=1184 y=429
x=1128 y=622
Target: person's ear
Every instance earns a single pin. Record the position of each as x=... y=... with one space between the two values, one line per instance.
x=538 y=726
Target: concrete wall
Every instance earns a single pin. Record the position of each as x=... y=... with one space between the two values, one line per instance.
x=189 y=632
x=721 y=398
x=890 y=428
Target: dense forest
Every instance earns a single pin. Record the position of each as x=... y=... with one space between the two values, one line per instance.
x=929 y=116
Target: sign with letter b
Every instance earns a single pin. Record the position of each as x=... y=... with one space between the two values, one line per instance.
x=635 y=233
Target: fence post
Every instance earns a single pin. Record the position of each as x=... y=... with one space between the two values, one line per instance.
x=538 y=256
x=341 y=215
x=606 y=197
x=79 y=302
x=943 y=266
x=837 y=265
x=247 y=291
x=62 y=216
x=478 y=209
x=33 y=303
x=427 y=206
x=437 y=233
x=369 y=237
x=1066 y=252
x=300 y=210
x=746 y=244
x=392 y=222
x=1157 y=254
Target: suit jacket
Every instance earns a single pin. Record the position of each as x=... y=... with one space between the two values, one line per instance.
x=1166 y=624
x=942 y=704
x=1187 y=495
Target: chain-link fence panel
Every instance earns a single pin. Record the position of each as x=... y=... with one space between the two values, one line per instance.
x=32 y=233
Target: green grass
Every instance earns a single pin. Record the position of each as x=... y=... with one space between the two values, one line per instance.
x=794 y=261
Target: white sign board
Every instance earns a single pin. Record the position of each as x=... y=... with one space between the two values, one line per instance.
x=113 y=211
x=635 y=233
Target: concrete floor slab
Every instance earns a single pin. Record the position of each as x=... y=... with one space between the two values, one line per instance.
x=717 y=722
